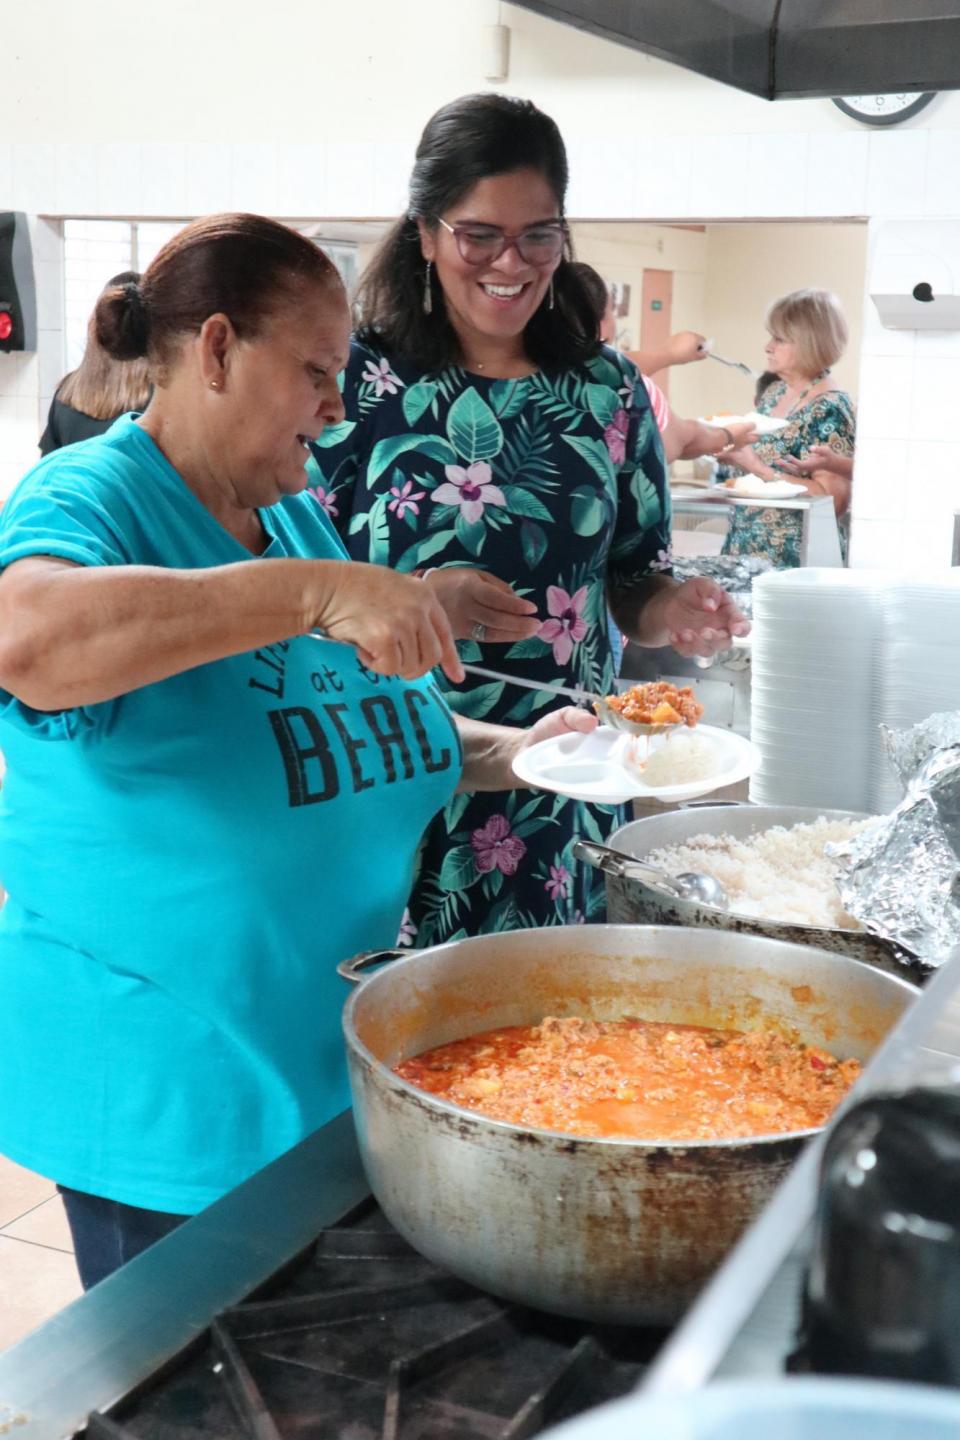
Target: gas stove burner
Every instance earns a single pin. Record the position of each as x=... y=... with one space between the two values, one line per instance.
x=366 y=1340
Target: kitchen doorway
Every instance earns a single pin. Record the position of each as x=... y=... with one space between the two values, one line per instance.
x=656 y=318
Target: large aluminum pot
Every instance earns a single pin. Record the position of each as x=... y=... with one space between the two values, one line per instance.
x=608 y=1230
x=631 y=900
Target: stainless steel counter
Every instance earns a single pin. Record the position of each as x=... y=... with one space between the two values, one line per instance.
x=104 y=1344
x=744 y=1322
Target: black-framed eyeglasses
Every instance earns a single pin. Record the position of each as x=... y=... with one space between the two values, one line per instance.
x=482 y=244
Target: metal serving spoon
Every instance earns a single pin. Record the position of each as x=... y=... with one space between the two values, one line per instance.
x=702 y=889
x=734 y=364
x=605 y=714
x=608 y=716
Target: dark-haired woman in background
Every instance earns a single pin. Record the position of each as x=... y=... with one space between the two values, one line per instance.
x=491 y=443
x=90 y=398
x=194 y=773
x=683 y=439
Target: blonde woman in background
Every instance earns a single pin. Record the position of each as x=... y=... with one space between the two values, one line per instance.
x=808 y=335
x=90 y=398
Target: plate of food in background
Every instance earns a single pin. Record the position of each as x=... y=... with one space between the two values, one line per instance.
x=751 y=487
x=763 y=424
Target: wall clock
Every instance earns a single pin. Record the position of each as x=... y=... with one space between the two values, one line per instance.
x=883 y=109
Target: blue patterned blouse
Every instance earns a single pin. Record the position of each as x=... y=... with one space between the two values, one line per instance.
x=767 y=530
x=555 y=483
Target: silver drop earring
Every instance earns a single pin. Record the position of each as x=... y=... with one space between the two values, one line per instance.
x=550 y=301
x=427 y=292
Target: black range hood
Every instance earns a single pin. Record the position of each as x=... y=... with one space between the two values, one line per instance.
x=785 y=49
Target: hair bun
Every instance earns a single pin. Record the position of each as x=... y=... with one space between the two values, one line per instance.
x=122 y=321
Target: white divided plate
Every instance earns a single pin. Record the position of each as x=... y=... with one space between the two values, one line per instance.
x=763 y=424
x=593 y=767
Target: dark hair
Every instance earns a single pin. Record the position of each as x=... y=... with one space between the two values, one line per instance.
x=595 y=286
x=245 y=266
x=102 y=386
x=468 y=141
x=763 y=383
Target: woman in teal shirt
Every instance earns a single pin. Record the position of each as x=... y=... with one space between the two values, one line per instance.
x=208 y=720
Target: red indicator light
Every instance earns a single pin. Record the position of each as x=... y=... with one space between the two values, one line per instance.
x=6 y=324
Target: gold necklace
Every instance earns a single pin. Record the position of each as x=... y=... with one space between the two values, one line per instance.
x=482 y=364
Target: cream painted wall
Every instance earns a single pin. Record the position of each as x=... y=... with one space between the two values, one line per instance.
x=623 y=252
x=748 y=266
x=724 y=278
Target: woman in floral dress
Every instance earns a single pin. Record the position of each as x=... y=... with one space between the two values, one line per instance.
x=808 y=334
x=491 y=445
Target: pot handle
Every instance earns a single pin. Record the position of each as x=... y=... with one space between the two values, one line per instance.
x=353 y=968
x=601 y=857
x=711 y=804
x=612 y=862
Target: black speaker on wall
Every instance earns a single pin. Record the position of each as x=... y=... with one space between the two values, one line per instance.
x=18 y=291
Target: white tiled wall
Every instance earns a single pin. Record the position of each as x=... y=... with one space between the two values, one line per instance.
x=908 y=382
x=908 y=446
x=835 y=182
x=680 y=177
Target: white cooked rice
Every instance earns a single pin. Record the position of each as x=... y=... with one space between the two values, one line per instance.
x=683 y=758
x=779 y=874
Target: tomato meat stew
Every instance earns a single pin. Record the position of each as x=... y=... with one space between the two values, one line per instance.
x=637 y=1079
x=657 y=703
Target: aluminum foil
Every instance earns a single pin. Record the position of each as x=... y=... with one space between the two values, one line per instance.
x=901 y=878
x=909 y=750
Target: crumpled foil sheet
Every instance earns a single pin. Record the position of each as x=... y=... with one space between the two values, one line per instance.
x=909 y=750
x=901 y=878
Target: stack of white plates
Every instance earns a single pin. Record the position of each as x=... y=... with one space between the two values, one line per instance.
x=817 y=638
x=919 y=664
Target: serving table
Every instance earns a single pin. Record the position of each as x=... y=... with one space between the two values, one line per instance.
x=819 y=540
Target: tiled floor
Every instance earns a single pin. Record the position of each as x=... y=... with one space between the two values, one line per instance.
x=37 y=1272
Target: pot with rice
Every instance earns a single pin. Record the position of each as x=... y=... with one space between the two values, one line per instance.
x=772 y=863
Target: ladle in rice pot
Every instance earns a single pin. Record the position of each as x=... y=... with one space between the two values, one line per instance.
x=703 y=889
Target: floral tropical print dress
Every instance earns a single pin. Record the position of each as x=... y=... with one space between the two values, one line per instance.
x=556 y=485
x=766 y=530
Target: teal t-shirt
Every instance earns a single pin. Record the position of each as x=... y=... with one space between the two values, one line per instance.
x=187 y=863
